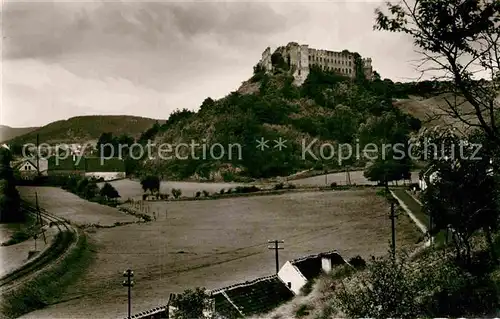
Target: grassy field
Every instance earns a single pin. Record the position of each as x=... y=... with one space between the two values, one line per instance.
x=73 y=208
x=221 y=242
x=341 y=179
x=132 y=189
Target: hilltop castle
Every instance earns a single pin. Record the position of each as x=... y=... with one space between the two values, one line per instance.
x=300 y=57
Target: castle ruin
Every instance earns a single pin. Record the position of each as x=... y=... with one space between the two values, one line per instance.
x=300 y=58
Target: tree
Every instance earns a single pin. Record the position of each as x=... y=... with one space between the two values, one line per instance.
x=191 y=304
x=9 y=196
x=107 y=145
x=464 y=194
x=91 y=190
x=151 y=183
x=459 y=38
x=109 y=192
x=176 y=192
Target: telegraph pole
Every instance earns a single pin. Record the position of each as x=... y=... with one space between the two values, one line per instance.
x=393 y=226
x=39 y=217
x=38 y=154
x=128 y=283
x=276 y=248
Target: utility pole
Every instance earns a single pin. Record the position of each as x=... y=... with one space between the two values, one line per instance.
x=347 y=175
x=393 y=227
x=39 y=218
x=276 y=248
x=128 y=283
x=430 y=227
x=38 y=154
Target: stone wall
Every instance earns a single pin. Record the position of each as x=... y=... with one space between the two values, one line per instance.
x=301 y=58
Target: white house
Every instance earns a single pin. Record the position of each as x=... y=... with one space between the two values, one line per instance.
x=28 y=168
x=296 y=273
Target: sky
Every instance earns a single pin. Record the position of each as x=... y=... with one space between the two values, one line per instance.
x=65 y=59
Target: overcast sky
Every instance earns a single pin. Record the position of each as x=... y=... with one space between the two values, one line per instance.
x=148 y=59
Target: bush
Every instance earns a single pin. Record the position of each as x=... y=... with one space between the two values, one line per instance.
x=357 y=262
x=221 y=191
x=464 y=295
x=307 y=288
x=205 y=193
x=279 y=186
x=389 y=291
x=333 y=185
x=198 y=194
x=302 y=311
x=144 y=196
x=176 y=192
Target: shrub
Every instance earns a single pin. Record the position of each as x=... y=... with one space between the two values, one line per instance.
x=176 y=192
x=333 y=185
x=357 y=262
x=279 y=186
x=307 y=288
x=302 y=311
x=389 y=291
x=221 y=191
x=198 y=194
x=144 y=196
x=205 y=193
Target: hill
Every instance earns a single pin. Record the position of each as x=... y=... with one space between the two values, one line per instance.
x=434 y=110
x=86 y=128
x=8 y=133
x=327 y=110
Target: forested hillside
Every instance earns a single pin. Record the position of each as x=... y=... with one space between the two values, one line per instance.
x=327 y=107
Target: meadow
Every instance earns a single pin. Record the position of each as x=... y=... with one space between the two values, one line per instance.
x=221 y=242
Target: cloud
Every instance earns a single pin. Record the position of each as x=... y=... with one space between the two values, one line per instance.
x=148 y=58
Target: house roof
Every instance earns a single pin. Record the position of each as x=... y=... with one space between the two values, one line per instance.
x=311 y=266
x=253 y=297
x=42 y=162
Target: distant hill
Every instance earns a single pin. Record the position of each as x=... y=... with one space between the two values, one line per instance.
x=7 y=132
x=434 y=110
x=86 y=128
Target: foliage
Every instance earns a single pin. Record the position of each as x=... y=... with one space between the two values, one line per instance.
x=463 y=195
x=109 y=192
x=176 y=192
x=389 y=291
x=151 y=183
x=278 y=61
x=49 y=287
x=191 y=304
x=459 y=39
x=327 y=106
x=9 y=196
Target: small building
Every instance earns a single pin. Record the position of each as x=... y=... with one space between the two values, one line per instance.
x=27 y=168
x=296 y=273
x=429 y=174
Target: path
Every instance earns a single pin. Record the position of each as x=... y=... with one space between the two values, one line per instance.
x=412 y=215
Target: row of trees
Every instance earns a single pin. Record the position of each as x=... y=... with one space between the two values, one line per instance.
x=87 y=188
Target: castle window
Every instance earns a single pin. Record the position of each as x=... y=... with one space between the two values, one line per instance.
x=349 y=63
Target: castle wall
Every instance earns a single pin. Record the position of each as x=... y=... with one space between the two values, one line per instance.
x=302 y=58
x=265 y=62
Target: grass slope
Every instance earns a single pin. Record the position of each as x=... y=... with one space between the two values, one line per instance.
x=85 y=128
x=8 y=133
